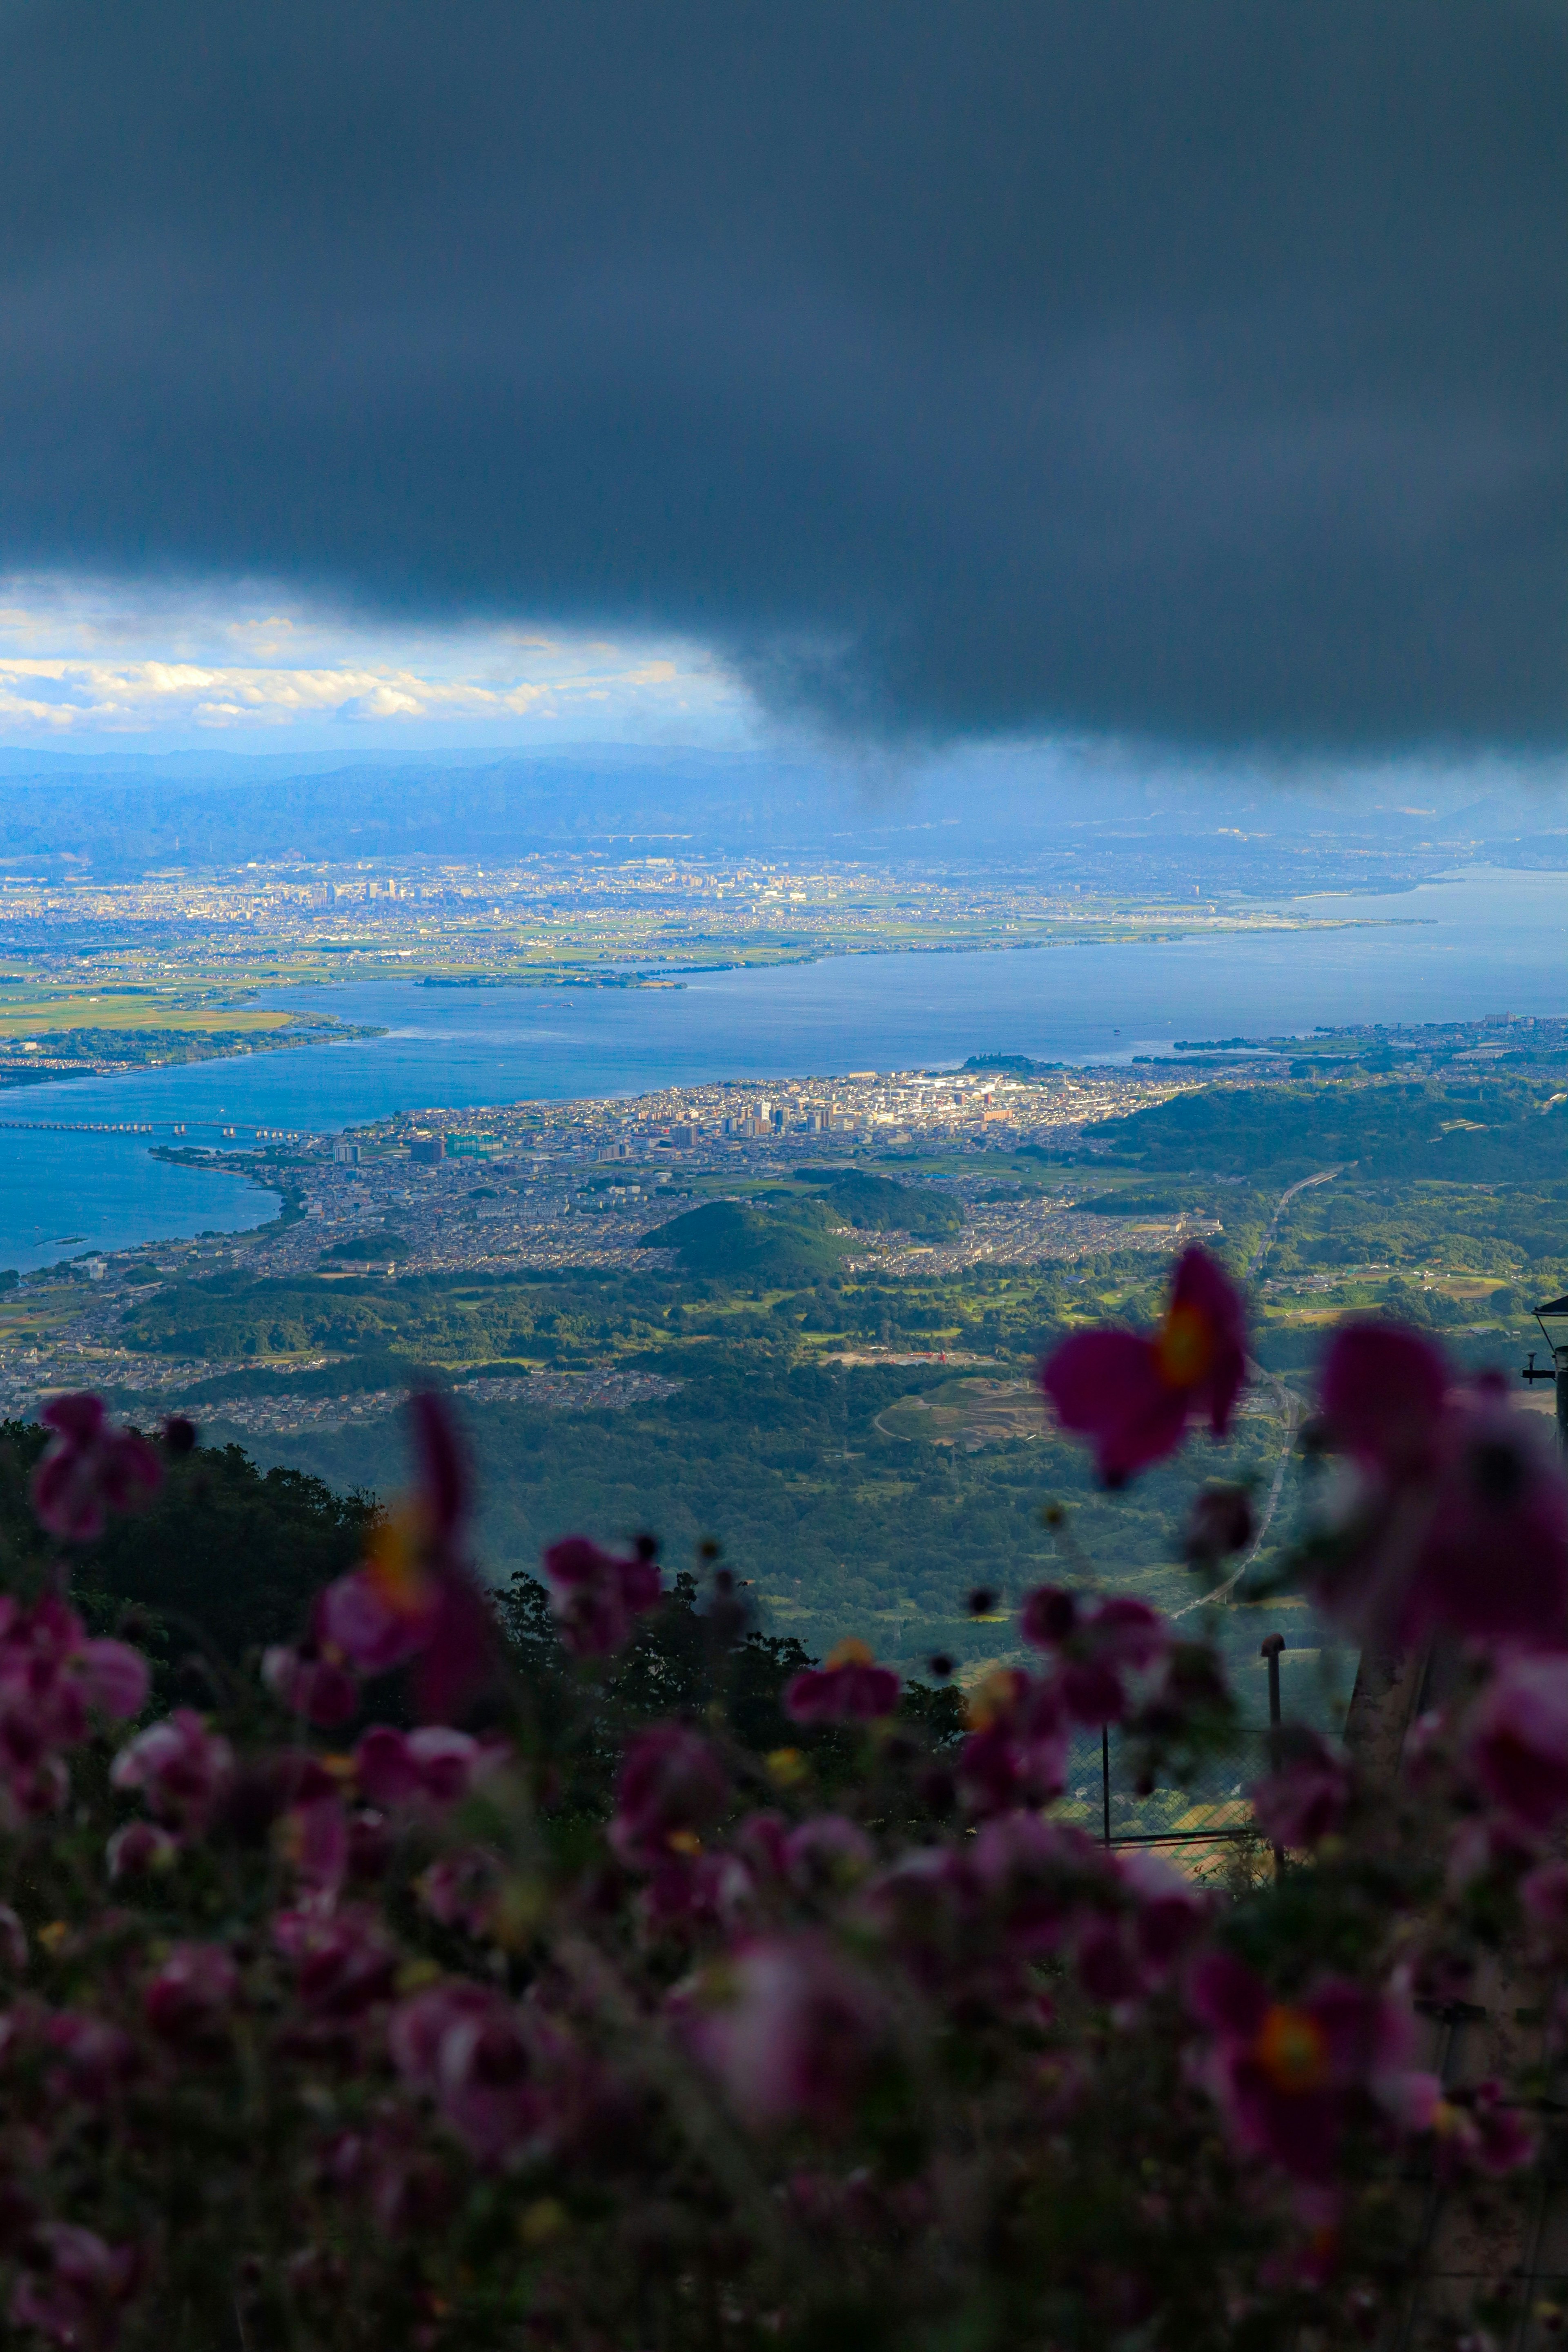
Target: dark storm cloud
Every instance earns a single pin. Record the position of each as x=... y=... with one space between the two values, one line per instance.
x=1187 y=366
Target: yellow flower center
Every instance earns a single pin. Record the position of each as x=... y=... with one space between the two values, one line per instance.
x=993 y=1699
x=852 y=1653
x=1184 y=1348
x=1292 y=2050
x=395 y=1564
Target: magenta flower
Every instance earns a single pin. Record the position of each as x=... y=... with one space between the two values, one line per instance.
x=827 y=1855
x=1133 y=1397
x=1479 y=2131
x=460 y=1889
x=1517 y=1739
x=51 y=1676
x=1094 y=1649
x=96 y=2060
x=850 y=1687
x=89 y=1469
x=308 y=1684
x=433 y=1766
x=1544 y=1897
x=74 y=2287
x=415 y=1598
x=343 y=1961
x=1034 y=1875
x=1455 y=1511
x=672 y=1786
x=182 y=1769
x=1128 y=1938
x=1016 y=1751
x=138 y=1848
x=498 y=2077
x=596 y=1594
x=1382 y=1392
x=788 y=2028
x=1308 y=1797
x=1291 y=2077
x=188 y=2000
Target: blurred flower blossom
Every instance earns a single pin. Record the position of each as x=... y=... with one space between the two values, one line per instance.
x=849 y=1687
x=595 y=1594
x=1308 y=1797
x=1132 y=1397
x=1517 y=1738
x=500 y=2077
x=181 y=1768
x=415 y=1597
x=89 y=1469
x=1094 y=1648
x=190 y=1994
x=1452 y=1510
x=1292 y=2077
x=788 y=2027
x=433 y=1766
x=72 y=2287
x=672 y=1786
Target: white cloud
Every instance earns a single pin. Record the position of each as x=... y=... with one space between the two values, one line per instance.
x=83 y=659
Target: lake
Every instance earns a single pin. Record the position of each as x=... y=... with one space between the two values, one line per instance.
x=1481 y=941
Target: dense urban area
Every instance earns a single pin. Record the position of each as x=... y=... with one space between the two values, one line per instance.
x=802 y=1321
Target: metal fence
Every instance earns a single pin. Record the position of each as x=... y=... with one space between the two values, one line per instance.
x=1207 y=1811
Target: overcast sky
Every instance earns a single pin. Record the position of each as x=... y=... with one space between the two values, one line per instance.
x=1192 y=370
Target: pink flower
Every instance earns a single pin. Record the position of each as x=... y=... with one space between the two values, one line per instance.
x=1094 y=1649
x=139 y=1847
x=499 y=2075
x=314 y=1838
x=1480 y=2132
x=1381 y=1392
x=460 y=1889
x=1133 y=1397
x=307 y=1684
x=849 y=1688
x=51 y=1675
x=1544 y=1897
x=595 y=1594
x=827 y=1855
x=434 y=1766
x=12 y=1940
x=188 y=2000
x=1517 y=1739
x=1308 y=1797
x=182 y=1767
x=1456 y=1511
x=343 y=1960
x=1034 y=1875
x=672 y=1786
x=1167 y=1908
x=1126 y=1944
x=89 y=1470
x=1016 y=1751
x=787 y=2027
x=96 y=2058
x=415 y=1597
x=1292 y=2076
x=74 y=2288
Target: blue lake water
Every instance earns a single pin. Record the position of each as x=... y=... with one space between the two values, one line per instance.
x=1482 y=942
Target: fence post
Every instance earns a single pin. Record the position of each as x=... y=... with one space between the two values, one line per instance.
x=1272 y=1645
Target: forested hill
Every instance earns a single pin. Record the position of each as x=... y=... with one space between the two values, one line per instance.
x=1491 y=1130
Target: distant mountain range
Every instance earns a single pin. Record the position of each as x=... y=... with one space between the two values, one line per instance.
x=1109 y=827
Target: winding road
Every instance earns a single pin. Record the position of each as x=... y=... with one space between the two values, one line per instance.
x=1291 y=1410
